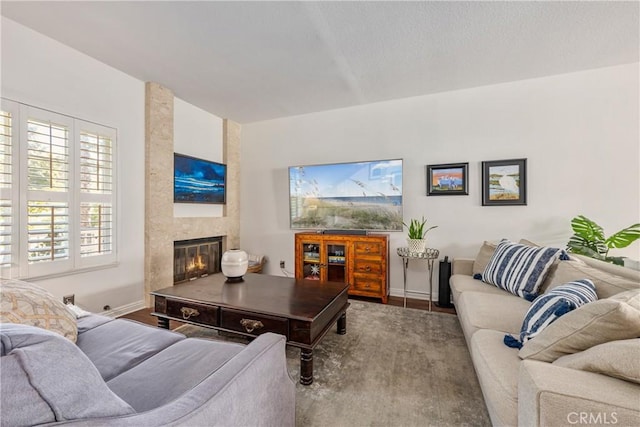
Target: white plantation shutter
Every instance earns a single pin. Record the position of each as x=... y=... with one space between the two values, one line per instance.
x=48 y=155
x=96 y=195
x=57 y=181
x=7 y=229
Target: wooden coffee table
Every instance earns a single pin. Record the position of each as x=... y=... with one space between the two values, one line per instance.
x=301 y=310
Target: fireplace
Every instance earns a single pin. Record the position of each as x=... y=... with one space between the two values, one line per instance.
x=196 y=258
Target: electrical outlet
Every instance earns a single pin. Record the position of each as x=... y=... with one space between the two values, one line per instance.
x=69 y=299
x=281 y=264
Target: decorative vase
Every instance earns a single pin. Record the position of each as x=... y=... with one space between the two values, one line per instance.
x=234 y=264
x=417 y=245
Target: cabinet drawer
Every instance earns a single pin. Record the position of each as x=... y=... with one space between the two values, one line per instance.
x=254 y=324
x=367 y=283
x=367 y=267
x=199 y=313
x=368 y=248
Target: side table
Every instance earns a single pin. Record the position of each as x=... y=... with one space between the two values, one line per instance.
x=430 y=255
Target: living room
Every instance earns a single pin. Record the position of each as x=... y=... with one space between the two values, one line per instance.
x=576 y=124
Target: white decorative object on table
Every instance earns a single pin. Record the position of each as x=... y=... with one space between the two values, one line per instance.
x=234 y=264
x=417 y=245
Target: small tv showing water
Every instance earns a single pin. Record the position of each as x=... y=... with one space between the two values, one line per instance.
x=198 y=180
x=347 y=196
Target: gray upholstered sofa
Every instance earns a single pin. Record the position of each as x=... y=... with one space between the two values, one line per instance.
x=565 y=390
x=123 y=373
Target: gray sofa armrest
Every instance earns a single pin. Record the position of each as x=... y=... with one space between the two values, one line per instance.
x=254 y=388
x=550 y=395
x=462 y=266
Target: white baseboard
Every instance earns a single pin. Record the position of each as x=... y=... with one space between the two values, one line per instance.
x=125 y=309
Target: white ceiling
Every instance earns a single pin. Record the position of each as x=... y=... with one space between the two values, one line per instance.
x=252 y=61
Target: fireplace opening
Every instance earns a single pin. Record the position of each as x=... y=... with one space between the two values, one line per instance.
x=196 y=258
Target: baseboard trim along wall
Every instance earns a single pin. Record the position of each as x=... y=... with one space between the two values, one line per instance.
x=125 y=309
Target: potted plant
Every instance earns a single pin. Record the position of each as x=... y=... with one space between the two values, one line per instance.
x=417 y=232
x=589 y=240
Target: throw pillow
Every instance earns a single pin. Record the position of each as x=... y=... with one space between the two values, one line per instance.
x=607 y=284
x=618 y=359
x=519 y=269
x=51 y=377
x=483 y=257
x=610 y=319
x=29 y=304
x=550 y=306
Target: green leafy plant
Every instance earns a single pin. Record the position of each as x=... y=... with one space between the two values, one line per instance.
x=589 y=239
x=417 y=228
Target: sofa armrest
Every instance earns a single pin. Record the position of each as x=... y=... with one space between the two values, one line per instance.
x=558 y=396
x=462 y=266
x=253 y=388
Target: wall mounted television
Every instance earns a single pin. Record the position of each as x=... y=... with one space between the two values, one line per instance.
x=198 y=180
x=347 y=196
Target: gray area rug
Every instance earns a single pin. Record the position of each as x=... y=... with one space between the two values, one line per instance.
x=394 y=367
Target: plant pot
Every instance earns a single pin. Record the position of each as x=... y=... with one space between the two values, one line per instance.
x=417 y=245
x=234 y=264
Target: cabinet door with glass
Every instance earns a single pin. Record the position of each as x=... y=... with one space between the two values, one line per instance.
x=309 y=265
x=321 y=259
x=336 y=267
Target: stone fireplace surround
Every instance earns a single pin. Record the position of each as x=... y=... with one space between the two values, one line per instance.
x=161 y=227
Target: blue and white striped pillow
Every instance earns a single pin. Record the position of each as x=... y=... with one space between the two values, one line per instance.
x=550 y=306
x=519 y=269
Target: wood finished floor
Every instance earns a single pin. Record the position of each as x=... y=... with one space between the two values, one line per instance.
x=144 y=315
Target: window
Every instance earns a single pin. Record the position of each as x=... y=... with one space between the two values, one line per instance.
x=58 y=192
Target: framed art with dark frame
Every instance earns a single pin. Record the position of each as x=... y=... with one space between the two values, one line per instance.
x=448 y=179
x=504 y=182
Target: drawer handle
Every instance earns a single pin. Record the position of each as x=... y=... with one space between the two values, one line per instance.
x=188 y=312
x=251 y=325
x=367 y=268
x=367 y=249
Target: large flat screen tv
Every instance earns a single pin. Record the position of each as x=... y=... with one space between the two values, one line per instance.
x=347 y=196
x=198 y=181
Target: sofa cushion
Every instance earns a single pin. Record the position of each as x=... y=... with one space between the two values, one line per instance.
x=500 y=312
x=605 y=320
x=519 y=269
x=460 y=283
x=619 y=359
x=497 y=367
x=119 y=345
x=29 y=304
x=173 y=371
x=607 y=284
x=550 y=306
x=46 y=378
x=92 y=321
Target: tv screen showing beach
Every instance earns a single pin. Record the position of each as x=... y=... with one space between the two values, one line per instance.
x=347 y=196
x=198 y=180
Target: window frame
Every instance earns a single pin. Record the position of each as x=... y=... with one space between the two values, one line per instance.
x=21 y=195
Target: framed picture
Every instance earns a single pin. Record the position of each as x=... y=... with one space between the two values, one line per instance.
x=504 y=182
x=448 y=179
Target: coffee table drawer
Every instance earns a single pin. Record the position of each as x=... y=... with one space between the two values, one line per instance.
x=198 y=313
x=251 y=323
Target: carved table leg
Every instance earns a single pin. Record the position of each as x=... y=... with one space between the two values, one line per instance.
x=163 y=323
x=306 y=366
x=342 y=324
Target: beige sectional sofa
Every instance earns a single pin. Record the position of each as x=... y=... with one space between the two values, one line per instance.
x=529 y=392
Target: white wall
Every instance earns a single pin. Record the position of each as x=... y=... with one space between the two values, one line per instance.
x=39 y=71
x=579 y=132
x=196 y=133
